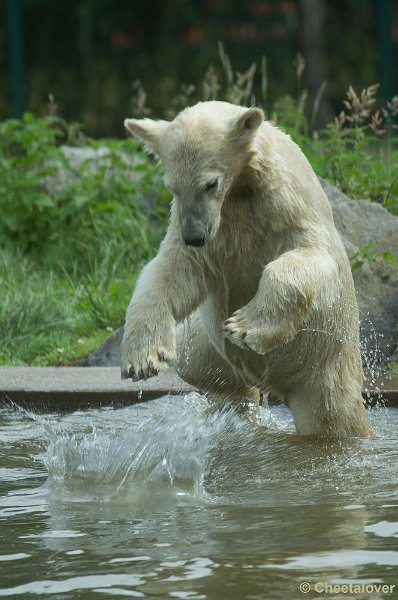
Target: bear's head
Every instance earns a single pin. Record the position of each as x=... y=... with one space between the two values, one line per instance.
x=203 y=151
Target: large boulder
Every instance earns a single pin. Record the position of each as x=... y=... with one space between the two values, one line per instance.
x=84 y=162
x=107 y=355
x=359 y=223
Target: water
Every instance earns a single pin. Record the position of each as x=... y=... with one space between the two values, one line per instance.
x=169 y=500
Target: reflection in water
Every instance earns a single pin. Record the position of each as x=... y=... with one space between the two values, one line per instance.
x=171 y=499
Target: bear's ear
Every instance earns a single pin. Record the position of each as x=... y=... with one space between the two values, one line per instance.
x=148 y=131
x=246 y=124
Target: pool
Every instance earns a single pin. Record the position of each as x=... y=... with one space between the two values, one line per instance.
x=169 y=499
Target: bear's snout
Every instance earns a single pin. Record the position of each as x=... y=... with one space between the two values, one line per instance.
x=194 y=230
x=199 y=221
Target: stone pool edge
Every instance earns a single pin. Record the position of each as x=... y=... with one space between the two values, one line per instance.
x=55 y=389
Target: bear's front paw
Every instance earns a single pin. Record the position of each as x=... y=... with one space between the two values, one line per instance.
x=140 y=364
x=235 y=330
x=259 y=336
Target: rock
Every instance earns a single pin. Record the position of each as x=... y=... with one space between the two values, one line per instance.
x=69 y=169
x=81 y=162
x=107 y=355
x=361 y=222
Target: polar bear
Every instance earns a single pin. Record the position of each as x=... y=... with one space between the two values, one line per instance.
x=254 y=262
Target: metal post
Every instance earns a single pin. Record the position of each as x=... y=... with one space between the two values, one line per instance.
x=386 y=49
x=15 y=47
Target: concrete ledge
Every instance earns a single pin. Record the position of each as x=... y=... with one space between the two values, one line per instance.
x=43 y=389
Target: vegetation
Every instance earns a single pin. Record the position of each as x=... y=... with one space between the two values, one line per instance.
x=72 y=239
x=73 y=236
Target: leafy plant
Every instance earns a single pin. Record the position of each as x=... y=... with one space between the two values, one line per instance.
x=367 y=254
x=360 y=154
x=28 y=149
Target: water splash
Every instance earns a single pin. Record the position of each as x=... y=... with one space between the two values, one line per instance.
x=178 y=451
x=165 y=452
x=375 y=374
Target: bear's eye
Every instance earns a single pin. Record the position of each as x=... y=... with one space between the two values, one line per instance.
x=211 y=185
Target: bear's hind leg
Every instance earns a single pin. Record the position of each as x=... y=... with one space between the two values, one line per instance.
x=329 y=414
x=200 y=365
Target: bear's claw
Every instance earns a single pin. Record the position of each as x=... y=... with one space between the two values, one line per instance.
x=241 y=330
x=138 y=372
x=143 y=367
x=234 y=331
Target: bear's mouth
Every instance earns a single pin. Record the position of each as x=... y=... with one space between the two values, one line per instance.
x=195 y=241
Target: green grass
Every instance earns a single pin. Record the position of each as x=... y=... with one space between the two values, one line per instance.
x=52 y=315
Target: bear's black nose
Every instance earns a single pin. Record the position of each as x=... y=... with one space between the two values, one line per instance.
x=197 y=241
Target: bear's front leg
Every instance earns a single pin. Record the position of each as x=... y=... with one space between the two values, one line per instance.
x=149 y=341
x=286 y=292
x=167 y=291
